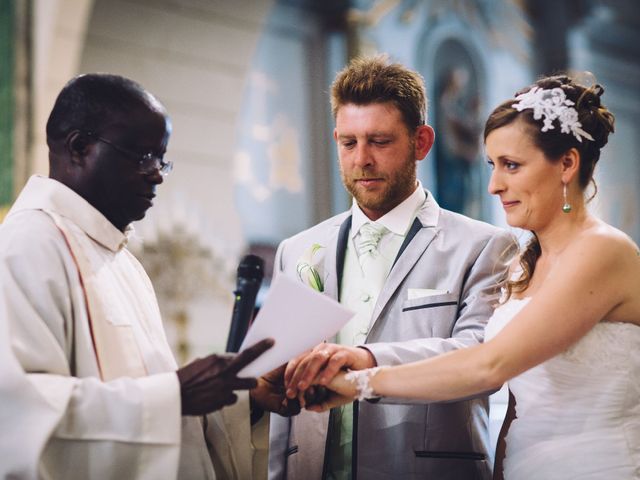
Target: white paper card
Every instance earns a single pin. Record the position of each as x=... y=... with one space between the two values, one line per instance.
x=297 y=318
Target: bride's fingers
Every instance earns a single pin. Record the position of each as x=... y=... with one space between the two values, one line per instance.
x=342 y=386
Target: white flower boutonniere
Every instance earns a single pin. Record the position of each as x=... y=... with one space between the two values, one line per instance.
x=309 y=269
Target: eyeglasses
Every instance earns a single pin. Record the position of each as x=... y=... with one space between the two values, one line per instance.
x=147 y=162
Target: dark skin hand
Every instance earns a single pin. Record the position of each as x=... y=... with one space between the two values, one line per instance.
x=270 y=395
x=207 y=384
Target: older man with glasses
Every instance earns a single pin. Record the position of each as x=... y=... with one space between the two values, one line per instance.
x=83 y=320
x=147 y=162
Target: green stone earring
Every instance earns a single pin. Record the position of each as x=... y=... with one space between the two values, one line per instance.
x=566 y=208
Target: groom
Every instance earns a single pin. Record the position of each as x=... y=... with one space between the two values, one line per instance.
x=422 y=280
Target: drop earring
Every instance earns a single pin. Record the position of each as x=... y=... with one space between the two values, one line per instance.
x=566 y=208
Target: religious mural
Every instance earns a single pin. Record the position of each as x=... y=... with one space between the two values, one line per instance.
x=458 y=126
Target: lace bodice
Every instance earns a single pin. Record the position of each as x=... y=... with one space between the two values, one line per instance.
x=578 y=414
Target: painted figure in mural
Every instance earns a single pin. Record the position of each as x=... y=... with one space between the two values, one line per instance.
x=566 y=333
x=93 y=382
x=458 y=146
x=421 y=279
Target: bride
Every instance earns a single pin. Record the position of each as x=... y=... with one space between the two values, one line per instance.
x=566 y=335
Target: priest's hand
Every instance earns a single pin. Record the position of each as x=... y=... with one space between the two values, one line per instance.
x=321 y=364
x=268 y=395
x=207 y=384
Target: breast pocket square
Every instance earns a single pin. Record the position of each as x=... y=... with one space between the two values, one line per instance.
x=415 y=293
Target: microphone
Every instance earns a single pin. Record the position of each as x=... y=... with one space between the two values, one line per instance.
x=250 y=274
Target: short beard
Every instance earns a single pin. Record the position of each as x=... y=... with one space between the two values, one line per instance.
x=400 y=185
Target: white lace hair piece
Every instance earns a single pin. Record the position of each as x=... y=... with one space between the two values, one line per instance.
x=551 y=104
x=361 y=380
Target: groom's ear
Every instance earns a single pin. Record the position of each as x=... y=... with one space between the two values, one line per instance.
x=423 y=140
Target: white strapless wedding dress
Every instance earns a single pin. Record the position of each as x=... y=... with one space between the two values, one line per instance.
x=578 y=414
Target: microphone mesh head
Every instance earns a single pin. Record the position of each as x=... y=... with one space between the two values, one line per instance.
x=251 y=267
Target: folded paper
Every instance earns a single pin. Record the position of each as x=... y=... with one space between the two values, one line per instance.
x=297 y=318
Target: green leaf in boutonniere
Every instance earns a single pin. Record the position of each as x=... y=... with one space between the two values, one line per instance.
x=309 y=270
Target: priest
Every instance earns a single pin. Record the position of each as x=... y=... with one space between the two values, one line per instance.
x=89 y=373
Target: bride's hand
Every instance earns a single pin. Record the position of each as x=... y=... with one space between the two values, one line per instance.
x=340 y=392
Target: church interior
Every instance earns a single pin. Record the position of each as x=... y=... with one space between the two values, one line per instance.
x=246 y=84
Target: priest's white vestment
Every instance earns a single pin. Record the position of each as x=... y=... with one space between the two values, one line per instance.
x=94 y=369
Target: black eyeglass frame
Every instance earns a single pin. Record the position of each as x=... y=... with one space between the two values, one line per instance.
x=147 y=162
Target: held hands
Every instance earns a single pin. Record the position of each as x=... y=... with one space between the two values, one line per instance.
x=207 y=384
x=314 y=379
x=348 y=386
x=339 y=391
x=320 y=367
x=269 y=395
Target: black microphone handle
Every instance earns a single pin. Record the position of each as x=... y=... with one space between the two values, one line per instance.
x=250 y=274
x=245 y=300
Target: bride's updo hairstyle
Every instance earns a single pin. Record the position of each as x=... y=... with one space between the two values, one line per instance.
x=588 y=137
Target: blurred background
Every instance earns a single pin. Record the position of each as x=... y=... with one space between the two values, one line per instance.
x=246 y=83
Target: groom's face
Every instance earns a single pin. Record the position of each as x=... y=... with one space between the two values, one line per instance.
x=377 y=156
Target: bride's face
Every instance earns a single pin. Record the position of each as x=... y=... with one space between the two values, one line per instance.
x=528 y=183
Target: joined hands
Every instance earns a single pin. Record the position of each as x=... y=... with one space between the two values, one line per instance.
x=316 y=378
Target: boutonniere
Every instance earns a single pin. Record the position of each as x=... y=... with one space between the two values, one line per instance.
x=309 y=268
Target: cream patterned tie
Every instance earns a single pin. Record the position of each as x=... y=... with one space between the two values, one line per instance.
x=365 y=287
x=367 y=241
x=373 y=266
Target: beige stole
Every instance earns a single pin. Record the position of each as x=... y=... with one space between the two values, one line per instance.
x=116 y=349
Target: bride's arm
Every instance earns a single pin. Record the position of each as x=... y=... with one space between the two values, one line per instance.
x=590 y=280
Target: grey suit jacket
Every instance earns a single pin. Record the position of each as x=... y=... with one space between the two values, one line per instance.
x=396 y=438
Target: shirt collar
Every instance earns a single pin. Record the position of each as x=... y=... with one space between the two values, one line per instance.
x=43 y=193
x=398 y=220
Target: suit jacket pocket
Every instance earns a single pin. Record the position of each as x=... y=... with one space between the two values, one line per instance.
x=446 y=300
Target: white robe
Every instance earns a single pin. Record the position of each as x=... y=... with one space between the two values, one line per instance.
x=101 y=398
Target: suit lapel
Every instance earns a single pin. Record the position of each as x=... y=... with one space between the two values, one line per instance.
x=420 y=235
x=343 y=238
x=416 y=226
x=334 y=259
x=334 y=262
